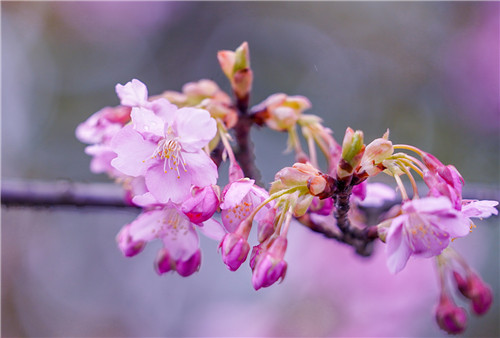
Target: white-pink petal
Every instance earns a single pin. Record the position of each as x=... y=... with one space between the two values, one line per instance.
x=168 y=186
x=480 y=209
x=235 y=192
x=195 y=128
x=145 y=121
x=133 y=93
x=133 y=152
x=212 y=229
x=200 y=167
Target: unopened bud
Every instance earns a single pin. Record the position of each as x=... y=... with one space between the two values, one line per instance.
x=234 y=249
x=475 y=289
x=375 y=152
x=450 y=317
x=268 y=265
x=241 y=57
x=352 y=152
x=265 y=226
x=242 y=82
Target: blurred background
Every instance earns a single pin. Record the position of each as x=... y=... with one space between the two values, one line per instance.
x=427 y=71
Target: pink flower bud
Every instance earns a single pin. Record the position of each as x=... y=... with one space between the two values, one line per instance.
x=265 y=226
x=242 y=82
x=190 y=266
x=235 y=250
x=163 y=262
x=127 y=245
x=268 y=265
x=474 y=288
x=450 y=317
x=376 y=152
x=321 y=207
x=202 y=205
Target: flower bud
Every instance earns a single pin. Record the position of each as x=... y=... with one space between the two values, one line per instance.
x=190 y=266
x=265 y=226
x=235 y=250
x=236 y=66
x=268 y=265
x=202 y=204
x=163 y=262
x=474 y=288
x=280 y=111
x=352 y=152
x=376 y=152
x=450 y=317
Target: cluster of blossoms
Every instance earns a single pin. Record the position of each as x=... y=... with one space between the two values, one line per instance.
x=165 y=150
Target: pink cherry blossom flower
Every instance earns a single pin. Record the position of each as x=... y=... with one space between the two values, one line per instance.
x=165 y=146
x=424 y=229
x=103 y=125
x=169 y=224
x=239 y=199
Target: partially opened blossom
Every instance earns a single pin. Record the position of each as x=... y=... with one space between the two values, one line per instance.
x=280 y=111
x=169 y=224
x=103 y=125
x=202 y=204
x=165 y=146
x=239 y=199
x=443 y=180
x=425 y=227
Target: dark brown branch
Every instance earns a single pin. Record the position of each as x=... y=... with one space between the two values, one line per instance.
x=244 y=153
x=39 y=193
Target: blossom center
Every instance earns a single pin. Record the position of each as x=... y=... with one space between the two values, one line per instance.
x=170 y=151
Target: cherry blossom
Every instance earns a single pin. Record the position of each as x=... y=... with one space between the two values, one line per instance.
x=166 y=148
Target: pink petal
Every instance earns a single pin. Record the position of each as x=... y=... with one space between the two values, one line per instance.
x=377 y=194
x=144 y=200
x=133 y=93
x=480 y=209
x=168 y=186
x=195 y=128
x=235 y=192
x=397 y=249
x=179 y=236
x=145 y=121
x=428 y=205
x=147 y=225
x=164 y=109
x=133 y=152
x=201 y=169
x=212 y=229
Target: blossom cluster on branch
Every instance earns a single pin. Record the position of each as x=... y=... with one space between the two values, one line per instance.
x=166 y=150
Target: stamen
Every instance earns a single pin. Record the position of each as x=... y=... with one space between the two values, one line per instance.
x=169 y=150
